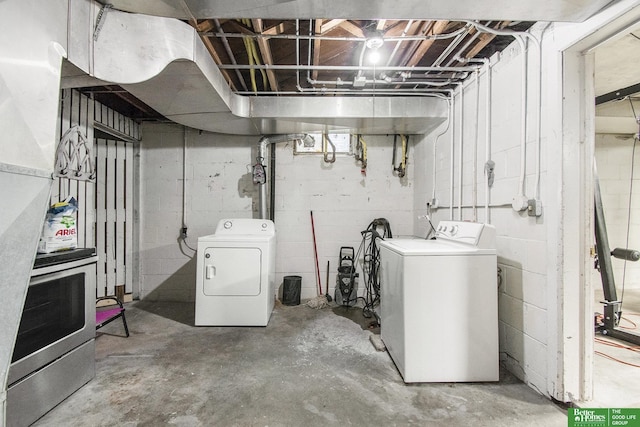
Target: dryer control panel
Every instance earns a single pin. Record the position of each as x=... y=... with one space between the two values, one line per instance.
x=471 y=233
x=246 y=226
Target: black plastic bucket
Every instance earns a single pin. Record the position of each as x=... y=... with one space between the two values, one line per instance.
x=291 y=288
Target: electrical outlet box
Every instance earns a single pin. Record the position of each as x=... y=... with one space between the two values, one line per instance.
x=433 y=203
x=359 y=81
x=534 y=207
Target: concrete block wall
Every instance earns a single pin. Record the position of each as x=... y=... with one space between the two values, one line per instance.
x=219 y=185
x=614 y=154
x=343 y=201
x=521 y=240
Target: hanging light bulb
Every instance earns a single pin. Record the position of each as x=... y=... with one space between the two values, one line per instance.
x=373 y=45
x=374 y=56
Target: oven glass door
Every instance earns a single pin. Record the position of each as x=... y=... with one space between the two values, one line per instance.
x=53 y=310
x=58 y=315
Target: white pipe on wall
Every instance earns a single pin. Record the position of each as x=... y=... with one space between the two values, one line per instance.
x=487 y=67
x=433 y=200
x=474 y=198
x=487 y=144
x=520 y=201
x=538 y=44
x=460 y=139
x=451 y=154
x=184 y=179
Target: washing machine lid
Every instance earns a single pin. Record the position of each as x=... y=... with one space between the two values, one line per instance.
x=416 y=246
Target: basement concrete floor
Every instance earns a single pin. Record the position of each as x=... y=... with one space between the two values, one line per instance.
x=306 y=368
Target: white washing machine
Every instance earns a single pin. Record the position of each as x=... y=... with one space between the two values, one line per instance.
x=439 y=304
x=235 y=275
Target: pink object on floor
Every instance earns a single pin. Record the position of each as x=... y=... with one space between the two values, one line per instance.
x=101 y=316
x=108 y=315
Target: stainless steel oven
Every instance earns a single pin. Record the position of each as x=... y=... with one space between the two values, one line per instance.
x=54 y=354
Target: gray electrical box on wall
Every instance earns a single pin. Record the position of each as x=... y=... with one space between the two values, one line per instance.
x=534 y=207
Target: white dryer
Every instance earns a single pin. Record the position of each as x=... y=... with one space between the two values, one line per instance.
x=439 y=304
x=235 y=275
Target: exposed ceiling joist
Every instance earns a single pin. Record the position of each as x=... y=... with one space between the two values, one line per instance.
x=352 y=28
x=265 y=52
x=438 y=28
x=330 y=25
x=205 y=27
x=274 y=30
x=316 y=47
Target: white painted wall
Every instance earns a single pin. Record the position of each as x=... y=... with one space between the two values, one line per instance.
x=614 y=154
x=219 y=185
x=343 y=202
x=521 y=240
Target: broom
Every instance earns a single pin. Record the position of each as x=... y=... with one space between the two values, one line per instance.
x=319 y=301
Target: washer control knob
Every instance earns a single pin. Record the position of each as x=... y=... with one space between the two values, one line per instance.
x=264 y=225
x=228 y=224
x=454 y=230
x=444 y=228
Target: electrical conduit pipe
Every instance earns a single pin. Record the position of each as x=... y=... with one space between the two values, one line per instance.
x=487 y=144
x=460 y=141
x=451 y=154
x=519 y=202
x=434 y=201
x=474 y=189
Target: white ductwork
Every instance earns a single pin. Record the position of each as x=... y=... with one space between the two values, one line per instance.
x=168 y=67
x=543 y=10
x=33 y=40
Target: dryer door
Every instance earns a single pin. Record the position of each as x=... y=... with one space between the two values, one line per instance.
x=232 y=271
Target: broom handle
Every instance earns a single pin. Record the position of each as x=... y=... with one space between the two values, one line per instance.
x=326 y=285
x=315 y=252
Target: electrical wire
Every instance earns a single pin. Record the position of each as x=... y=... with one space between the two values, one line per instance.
x=614 y=344
x=615 y=359
x=633 y=324
x=635 y=349
x=599 y=353
x=371 y=263
x=184 y=240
